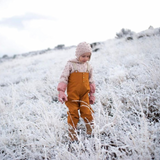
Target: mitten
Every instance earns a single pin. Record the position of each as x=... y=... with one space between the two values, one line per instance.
x=91 y=93
x=61 y=88
x=91 y=99
x=92 y=87
x=62 y=97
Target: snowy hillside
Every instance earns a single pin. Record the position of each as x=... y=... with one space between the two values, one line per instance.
x=33 y=125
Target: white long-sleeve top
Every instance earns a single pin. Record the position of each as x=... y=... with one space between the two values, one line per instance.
x=74 y=65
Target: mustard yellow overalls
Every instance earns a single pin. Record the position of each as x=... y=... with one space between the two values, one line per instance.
x=78 y=89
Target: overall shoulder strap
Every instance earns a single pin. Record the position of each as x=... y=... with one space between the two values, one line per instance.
x=88 y=67
x=74 y=67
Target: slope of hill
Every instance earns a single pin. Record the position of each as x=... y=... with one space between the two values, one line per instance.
x=127 y=108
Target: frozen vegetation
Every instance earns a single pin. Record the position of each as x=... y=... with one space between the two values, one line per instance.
x=33 y=125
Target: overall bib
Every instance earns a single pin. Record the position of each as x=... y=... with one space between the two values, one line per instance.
x=78 y=99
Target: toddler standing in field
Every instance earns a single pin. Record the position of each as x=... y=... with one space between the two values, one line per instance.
x=77 y=78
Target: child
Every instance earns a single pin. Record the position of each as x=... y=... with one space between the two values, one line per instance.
x=77 y=78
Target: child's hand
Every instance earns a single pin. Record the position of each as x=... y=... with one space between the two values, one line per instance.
x=91 y=99
x=92 y=91
x=62 y=97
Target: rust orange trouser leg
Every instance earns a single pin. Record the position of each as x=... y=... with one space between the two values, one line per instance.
x=87 y=114
x=73 y=118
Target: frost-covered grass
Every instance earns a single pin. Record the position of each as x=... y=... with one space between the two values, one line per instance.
x=33 y=125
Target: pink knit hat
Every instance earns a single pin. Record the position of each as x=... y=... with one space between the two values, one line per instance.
x=82 y=48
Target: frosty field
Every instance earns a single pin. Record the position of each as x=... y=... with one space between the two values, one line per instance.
x=33 y=124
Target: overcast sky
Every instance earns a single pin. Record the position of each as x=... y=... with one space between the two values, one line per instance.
x=28 y=25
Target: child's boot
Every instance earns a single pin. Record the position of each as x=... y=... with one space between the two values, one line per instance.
x=72 y=135
x=89 y=127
